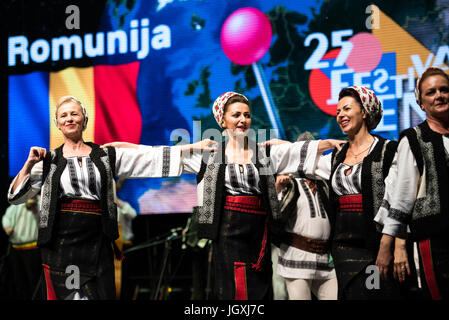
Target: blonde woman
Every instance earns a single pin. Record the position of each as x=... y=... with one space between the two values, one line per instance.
x=78 y=215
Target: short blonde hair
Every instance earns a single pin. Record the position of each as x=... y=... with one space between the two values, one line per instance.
x=66 y=99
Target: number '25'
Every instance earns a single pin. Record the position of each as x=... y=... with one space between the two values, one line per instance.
x=314 y=62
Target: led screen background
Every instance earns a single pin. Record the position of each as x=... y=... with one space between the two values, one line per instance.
x=160 y=80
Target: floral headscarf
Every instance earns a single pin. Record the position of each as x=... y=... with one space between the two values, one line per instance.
x=371 y=104
x=220 y=102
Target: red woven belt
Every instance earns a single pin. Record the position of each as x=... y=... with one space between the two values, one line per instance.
x=247 y=204
x=83 y=206
x=352 y=202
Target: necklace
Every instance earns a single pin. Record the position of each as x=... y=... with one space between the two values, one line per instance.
x=357 y=154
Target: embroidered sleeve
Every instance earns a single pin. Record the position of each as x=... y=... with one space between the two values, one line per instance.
x=29 y=187
x=401 y=189
x=382 y=214
x=301 y=157
x=148 y=162
x=321 y=169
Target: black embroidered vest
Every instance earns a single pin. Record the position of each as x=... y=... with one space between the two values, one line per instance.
x=53 y=166
x=375 y=168
x=430 y=214
x=212 y=175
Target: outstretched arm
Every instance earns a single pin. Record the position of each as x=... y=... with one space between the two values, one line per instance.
x=121 y=144
x=323 y=145
x=304 y=157
x=203 y=145
x=141 y=161
x=330 y=144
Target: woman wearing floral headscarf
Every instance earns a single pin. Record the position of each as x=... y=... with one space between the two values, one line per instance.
x=237 y=200
x=356 y=175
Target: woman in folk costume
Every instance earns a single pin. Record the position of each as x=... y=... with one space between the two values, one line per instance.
x=356 y=175
x=78 y=216
x=416 y=200
x=237 y=200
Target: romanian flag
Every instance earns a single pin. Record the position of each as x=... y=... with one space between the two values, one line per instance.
x=108 y=92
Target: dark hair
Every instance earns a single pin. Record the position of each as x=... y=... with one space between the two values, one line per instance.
x=349 y=92
x=431 y=71
x=234 y=99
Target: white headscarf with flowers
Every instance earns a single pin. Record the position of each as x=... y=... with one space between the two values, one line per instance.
x=371 y=104
x=220 y=102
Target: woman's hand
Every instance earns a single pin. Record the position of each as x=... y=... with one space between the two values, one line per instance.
x=120 y=144
x=282 y=181
x=36 y=154
x=401 y=266
x=203 y=145
x=329 y=144
x=384 y=256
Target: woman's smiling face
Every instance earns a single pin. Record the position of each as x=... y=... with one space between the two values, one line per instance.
x=70 y=119
x=350 y=116
x=237 y=119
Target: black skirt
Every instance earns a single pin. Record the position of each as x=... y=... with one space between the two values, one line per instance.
x=79 y=247
x=434 y=267
x=241 y=254
x=357 y=275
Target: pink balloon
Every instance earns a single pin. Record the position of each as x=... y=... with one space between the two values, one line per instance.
x=246 y=36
